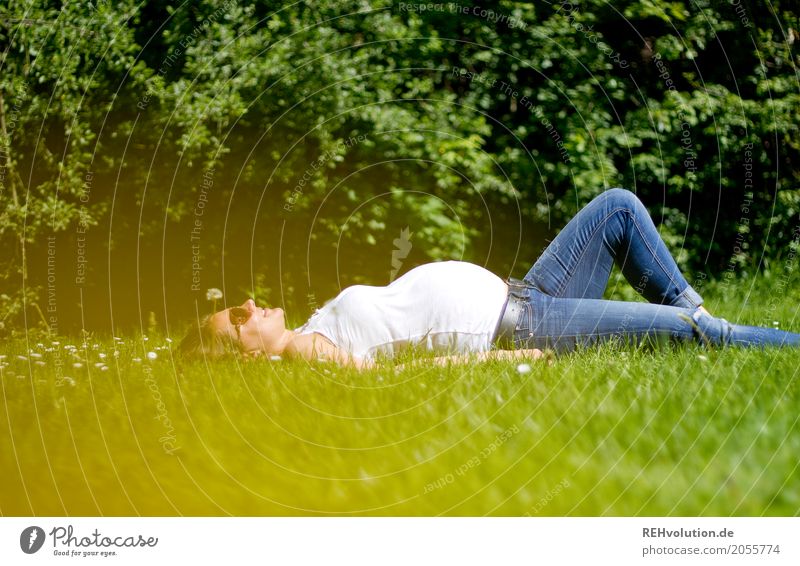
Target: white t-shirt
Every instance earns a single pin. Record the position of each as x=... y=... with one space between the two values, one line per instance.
x=449 y=306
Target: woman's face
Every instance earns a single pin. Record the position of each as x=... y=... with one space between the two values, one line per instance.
x=264 y=331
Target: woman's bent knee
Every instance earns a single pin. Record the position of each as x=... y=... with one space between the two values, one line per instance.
x=622 y=197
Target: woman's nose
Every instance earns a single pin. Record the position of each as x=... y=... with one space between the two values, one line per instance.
x=249 y=304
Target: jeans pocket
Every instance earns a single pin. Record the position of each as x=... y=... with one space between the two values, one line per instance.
x=523 y=330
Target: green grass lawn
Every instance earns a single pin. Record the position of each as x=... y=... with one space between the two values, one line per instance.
x=609 y=431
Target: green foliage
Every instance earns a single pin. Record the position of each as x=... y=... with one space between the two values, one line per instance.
x=281 y=149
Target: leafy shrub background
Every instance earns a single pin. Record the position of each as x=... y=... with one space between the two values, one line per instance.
x=478 y=138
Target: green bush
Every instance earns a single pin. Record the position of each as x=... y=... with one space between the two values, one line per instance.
x=152 y=150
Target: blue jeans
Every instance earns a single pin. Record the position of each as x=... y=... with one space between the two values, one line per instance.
x=564 y=308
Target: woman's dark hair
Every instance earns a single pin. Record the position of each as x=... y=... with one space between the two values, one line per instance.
x=205 y=341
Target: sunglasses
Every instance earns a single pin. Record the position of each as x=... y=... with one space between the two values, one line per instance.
x=237 y=317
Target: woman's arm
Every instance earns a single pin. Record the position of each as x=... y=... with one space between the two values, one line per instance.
x=524 y=354
x=490 y=355
x=317 y=347
x=323 y=349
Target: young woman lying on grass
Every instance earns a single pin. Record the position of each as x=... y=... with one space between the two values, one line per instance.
x=465 y=311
